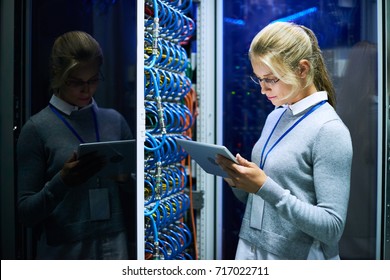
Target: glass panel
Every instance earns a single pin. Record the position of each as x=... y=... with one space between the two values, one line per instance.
x=346 y=31
x=114 y=25
x=386 y=233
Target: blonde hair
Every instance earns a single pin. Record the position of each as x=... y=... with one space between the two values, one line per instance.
x=69 y=51
x=281 y=46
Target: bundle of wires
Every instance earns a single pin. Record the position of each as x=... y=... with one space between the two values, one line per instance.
x=168 y=117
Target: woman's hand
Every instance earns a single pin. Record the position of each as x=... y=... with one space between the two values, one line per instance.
x=78 y=170
x=245 y=175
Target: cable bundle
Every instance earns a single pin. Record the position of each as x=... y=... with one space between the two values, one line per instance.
x=178 y=117
x=175 y=25
x=170 y=55
x=162 y=150
x=167 y=117
x=173 y=181
x=168 y=85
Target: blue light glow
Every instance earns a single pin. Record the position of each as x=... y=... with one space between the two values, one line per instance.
x=234 y=21
x=298 y=15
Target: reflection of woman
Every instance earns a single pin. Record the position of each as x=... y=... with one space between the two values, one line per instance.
x=357 y=105
x=297 y=187
x=77 y=214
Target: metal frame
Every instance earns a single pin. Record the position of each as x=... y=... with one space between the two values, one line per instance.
x=383 y=236
x=8 y=243
x=219 y=77
x=140 y=133
x=381 y=134
x=206 y=123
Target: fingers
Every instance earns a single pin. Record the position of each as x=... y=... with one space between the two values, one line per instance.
x=78 y=171
x=229 y=181
x=90 y=159
x=230 y=167
x=90 y=164
x=242 y=161
x=89 y=156
x=221 y=160
x=226 y=163
x=72 y=158
x=88 y=168
x=245 y=175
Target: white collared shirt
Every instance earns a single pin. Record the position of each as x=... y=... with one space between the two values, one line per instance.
x=308 y=101
x=65 y=107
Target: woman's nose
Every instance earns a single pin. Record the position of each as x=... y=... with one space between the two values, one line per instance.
x=85 y=87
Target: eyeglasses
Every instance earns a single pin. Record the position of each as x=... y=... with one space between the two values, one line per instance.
x=268 y=81
x=79 y=84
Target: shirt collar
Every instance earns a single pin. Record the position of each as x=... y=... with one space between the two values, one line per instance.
x=65 y=107
x=308 y=101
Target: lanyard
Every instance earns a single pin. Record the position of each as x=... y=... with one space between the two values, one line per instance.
x=61 y=117
x=262 y=161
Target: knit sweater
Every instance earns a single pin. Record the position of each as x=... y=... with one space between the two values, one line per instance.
x=305 y=196
x=62 y=213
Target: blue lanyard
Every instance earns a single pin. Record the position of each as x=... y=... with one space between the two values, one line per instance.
x=262 y=161
x=61 y=117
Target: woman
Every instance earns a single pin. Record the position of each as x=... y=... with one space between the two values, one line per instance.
x=77 y=214
x=296 y=188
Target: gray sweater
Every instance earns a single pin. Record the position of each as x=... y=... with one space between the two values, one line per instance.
x=305 y=196
x=62 y=213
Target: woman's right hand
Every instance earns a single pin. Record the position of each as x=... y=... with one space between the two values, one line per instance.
x=77 y=171
x=243 y=175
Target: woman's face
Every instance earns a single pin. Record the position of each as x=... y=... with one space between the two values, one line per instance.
x=81 y=84
x=274 y=89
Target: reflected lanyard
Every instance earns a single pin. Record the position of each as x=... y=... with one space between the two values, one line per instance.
x=263 y=159
x=71 y=128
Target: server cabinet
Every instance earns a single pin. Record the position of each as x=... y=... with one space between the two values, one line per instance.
x=114 y=24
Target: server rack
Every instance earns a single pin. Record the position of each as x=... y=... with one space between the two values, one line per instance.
x=167 y=102
x=208 y=84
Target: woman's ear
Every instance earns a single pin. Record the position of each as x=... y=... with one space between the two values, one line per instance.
x=303 y=68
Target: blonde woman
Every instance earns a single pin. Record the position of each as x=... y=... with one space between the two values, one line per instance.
x=75 y=214
x=296 y=186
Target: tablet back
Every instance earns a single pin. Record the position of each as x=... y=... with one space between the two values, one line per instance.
x=204 y=154
x=120 y=156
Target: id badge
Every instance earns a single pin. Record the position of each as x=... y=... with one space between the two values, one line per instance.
x=99 y=204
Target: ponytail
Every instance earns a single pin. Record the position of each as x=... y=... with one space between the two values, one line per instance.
x=321 y=78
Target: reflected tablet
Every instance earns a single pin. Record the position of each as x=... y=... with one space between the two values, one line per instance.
x=204 y=154
x=120 y=156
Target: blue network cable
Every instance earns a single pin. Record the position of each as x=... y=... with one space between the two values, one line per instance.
x=166 y=118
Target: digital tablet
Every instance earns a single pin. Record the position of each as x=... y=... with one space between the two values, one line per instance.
x=120 y=156
x=204 y=154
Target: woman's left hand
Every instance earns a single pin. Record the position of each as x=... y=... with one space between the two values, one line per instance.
x=245 y=175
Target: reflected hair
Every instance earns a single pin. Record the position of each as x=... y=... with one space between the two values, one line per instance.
x=69 y=51
x=281 y=46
